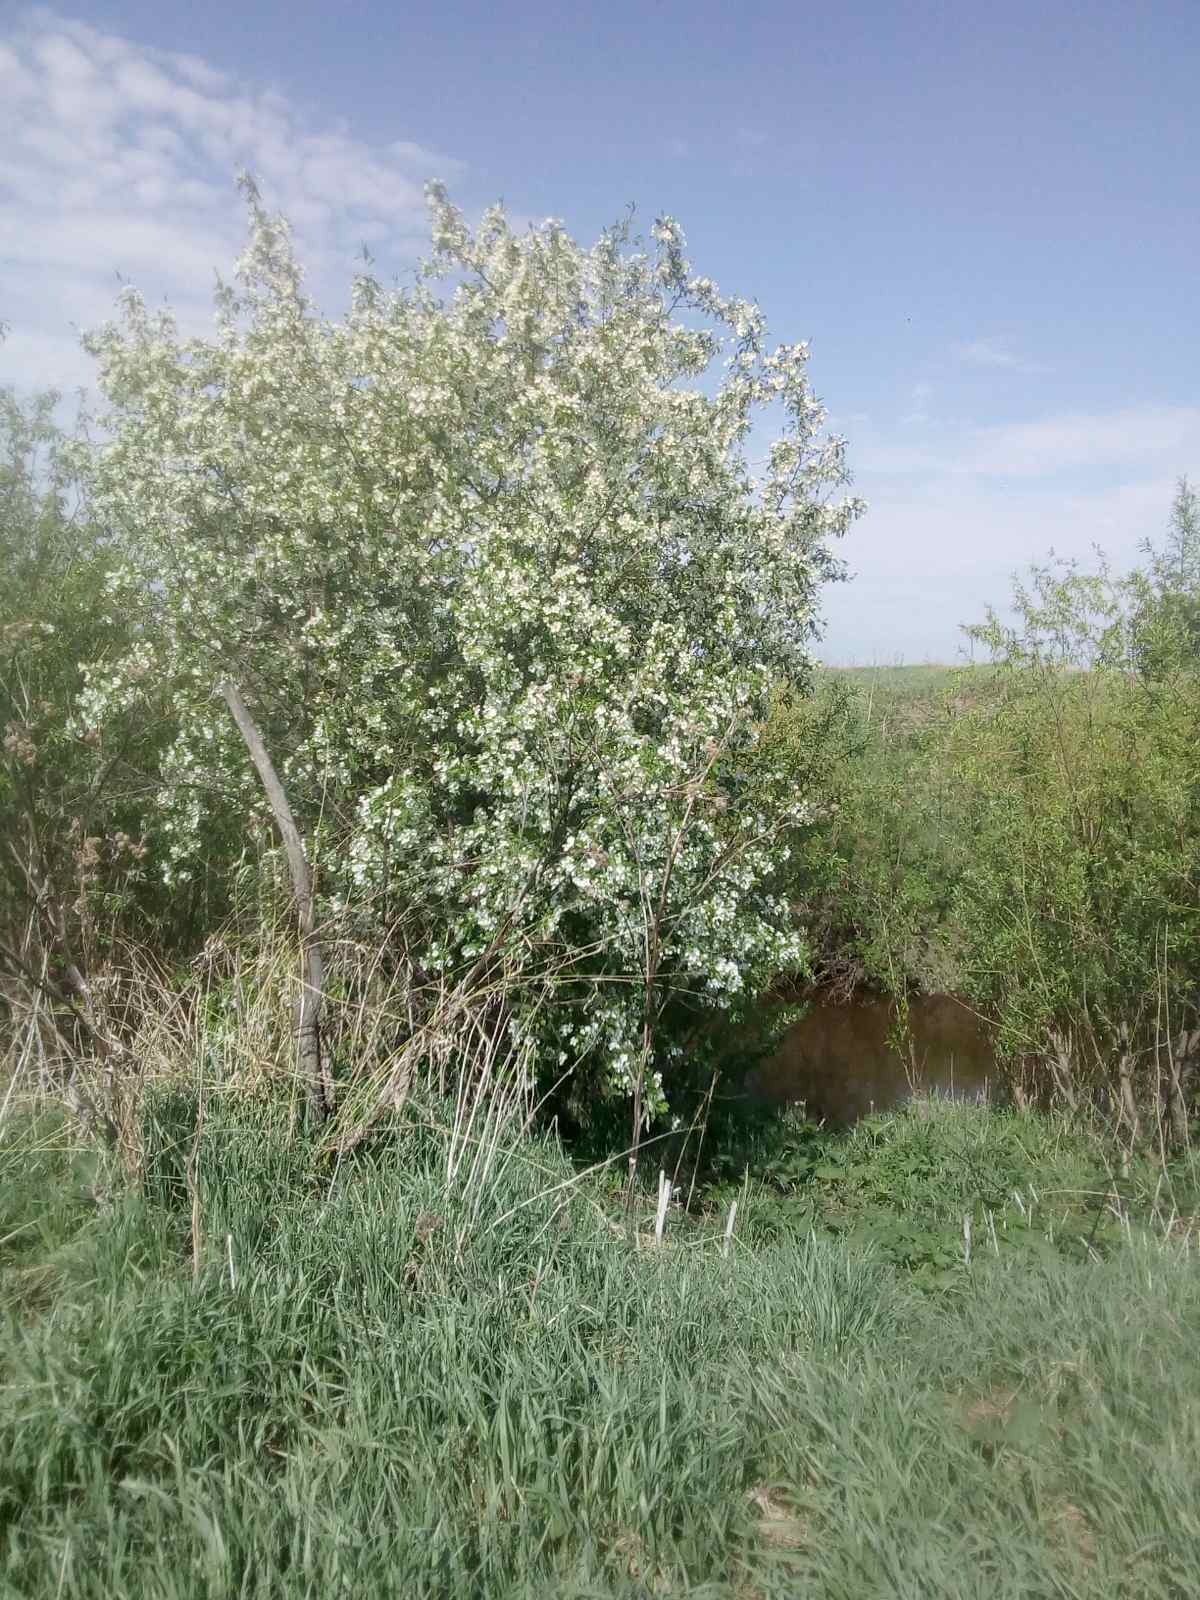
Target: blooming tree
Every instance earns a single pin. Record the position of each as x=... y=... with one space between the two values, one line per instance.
x=488 y=562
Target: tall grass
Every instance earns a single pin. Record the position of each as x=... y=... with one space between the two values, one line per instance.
x=384 y=1381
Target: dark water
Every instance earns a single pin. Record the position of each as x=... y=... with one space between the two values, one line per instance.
x=839 y=1061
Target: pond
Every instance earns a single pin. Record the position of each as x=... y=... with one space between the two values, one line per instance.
x=840 y=1061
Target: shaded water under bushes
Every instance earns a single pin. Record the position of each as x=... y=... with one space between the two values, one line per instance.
x=841 y=1060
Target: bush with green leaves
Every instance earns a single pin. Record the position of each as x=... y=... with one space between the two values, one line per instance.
x=78 y=845
x=1026 y=834
x=1080 y=905
x=491 y=569
x=873 y=874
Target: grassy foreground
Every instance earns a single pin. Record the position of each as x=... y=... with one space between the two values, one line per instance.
x=395 y=1378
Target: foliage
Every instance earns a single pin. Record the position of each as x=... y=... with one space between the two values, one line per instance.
x=904 y=1182
x=1026 y=834
x=874 y=876
x=508 y=606
x=77 y=837
x=1167 y=594
x=1080 y=902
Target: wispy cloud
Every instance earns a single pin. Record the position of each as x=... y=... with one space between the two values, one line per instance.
x=1135 y=439
x=991 y=352
x=951 y=517
x=931 y=559
x=118 y=161
x=918 y=411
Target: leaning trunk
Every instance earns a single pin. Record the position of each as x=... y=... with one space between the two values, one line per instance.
x=313 y=1070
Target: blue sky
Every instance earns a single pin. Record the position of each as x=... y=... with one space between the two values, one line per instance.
x=984 y=218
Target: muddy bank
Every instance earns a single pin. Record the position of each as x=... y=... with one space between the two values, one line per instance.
x=839 y=1061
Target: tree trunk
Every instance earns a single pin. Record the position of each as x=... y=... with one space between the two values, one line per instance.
x=313 y=1070
x=1179 y=1057
x=1062 y=1068
x=1126 y=1097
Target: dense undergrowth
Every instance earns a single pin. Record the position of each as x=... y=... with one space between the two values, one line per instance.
x=389 y=1381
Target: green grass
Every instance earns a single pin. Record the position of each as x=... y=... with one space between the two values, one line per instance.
x=378 y=1385
x=901 y=678
x=900 y=700
x=906 y=1183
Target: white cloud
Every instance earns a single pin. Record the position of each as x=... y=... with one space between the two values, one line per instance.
x=919 y=397
x=990 y=352
x=1142 y=438
x=949 y=523
x=929 y=562
x=117 y=162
